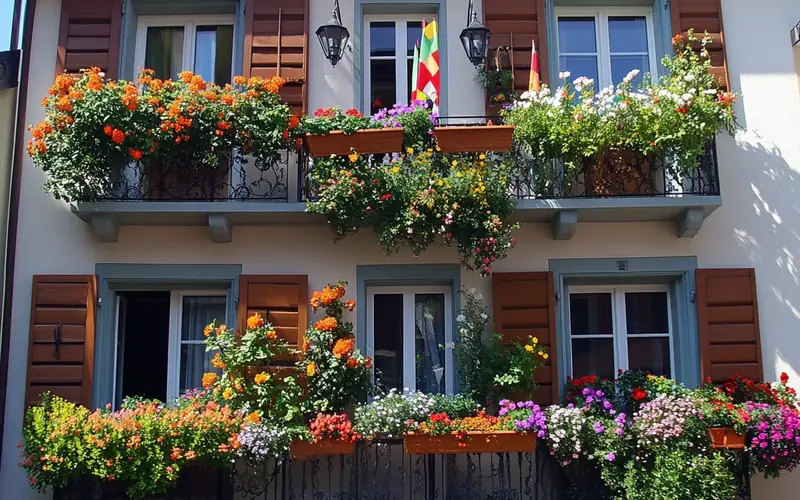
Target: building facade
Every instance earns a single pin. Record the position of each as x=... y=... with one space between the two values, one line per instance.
x=121 y=283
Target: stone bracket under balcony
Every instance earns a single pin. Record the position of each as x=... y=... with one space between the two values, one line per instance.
x=220 y=217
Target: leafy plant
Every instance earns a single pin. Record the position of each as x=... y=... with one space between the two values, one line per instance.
x=680 y=474
x=337 y=427
x=392 y=414
x=472 y=323
x=491 y=78
x=327 y=120
x=514 y=364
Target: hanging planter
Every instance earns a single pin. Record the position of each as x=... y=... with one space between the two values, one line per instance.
x=474 y=139
x=471 y=442
x=725 y=438
x=303 y=450
x=369 y=141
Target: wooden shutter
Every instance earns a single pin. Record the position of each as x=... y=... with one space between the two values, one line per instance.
x=727 y=315
x=61 y=345
x=89 y=36
x=702 y=16
x=276 y=43
x=515 y=24
x=524 y=304
x=281 y=299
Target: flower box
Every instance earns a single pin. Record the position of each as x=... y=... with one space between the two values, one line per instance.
x=725 y=438
x=474 y=139
x=368 y=141
x=616 y=172
x=476 y=442
x=303 y=450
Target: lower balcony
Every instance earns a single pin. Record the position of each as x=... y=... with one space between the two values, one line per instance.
x=611 y=189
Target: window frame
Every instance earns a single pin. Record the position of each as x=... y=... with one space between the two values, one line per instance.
x=400 y=40
x=620 y=334
x=602 y=39
x=409 y=366
x=189 y=24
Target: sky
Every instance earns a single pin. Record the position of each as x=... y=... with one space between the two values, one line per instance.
x=6 y=8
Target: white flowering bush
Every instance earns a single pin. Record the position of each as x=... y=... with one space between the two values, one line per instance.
x=675 y=116
x=262 y=441
x=571 y=432
x=393 y=414
x=666 y=419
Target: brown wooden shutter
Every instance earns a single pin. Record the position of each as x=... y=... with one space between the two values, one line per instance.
x=281 y=299
x=61 y=346
x=515 y=24
x=524 y=304
x=276 y=43
x=89 y=36
x=727 y=315
x=702 y=16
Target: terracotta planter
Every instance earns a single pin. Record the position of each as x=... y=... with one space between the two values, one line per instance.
x=725 y=438
x=477 y=442
x=474 y=139
x=619 y=173
x=188 y=182
x=365 y=142
x=303 y=450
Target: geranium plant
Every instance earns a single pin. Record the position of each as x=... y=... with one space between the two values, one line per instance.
x=327 y=120
x=336 y=427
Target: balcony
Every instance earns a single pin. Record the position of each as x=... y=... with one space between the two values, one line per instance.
x=274 y=194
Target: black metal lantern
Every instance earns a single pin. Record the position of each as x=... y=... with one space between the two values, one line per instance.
x=475 y=39
x=333 y=37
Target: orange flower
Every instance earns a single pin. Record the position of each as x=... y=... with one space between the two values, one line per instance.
x=353 y=157
x=255 y=321
x=186 y=76
x=343 y=347
x=207 y=330
x=326 y=324
x=350 y=305
x=254 y=418
x=352 y=362
x=136 y=154
x=227 y=394
x=306 y=345
x=677 y=39
x=108 y=130
x=294 y=121
x=118 y=136
x=271 y=335
x=209 y=379
x=216 y=361
x=260 y=378
x=239 y=80
x=311 y=369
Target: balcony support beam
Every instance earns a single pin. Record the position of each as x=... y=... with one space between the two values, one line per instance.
x=690 y=221
x=220 y=227
x=105 y=228
x=564 y=224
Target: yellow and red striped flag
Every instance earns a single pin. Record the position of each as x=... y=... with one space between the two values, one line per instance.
x=534 y=83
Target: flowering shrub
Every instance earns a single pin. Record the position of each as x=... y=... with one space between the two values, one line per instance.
x=247 y=382
x=337 y=375
x=262 y=441
x=524 y=416
x=93 y=126
x=676 y=116
x=774 y=442
x=515 y=364
x=664 y=419
x=570 y=432
x=327 y=120
x=337 y=427
x=472 y=323
x=392 y=414
x=144 y=446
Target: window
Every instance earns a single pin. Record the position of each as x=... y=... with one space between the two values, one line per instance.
x=201 y=44
x=160 y=343
x=409 y=332
x=614 y=328
x=606 y=45
x=389 y=56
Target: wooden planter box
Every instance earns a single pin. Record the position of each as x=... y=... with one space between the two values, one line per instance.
x=478 y=442
x=619 y=173
x=303 y=450
x=725 y=438
x=365 y=142
x=474 y=139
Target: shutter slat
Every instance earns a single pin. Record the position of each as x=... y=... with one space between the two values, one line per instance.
x=65 y=305
x=523 y=305
x=89 y=36
x=727 y=314
x=281 y=299
x=701 y=16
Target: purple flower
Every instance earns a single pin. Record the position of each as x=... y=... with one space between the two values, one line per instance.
x=611 y=457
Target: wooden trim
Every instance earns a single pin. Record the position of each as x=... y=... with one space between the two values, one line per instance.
x=63 y=30
x=305 y=57
x=114 y=40
x=249 y=13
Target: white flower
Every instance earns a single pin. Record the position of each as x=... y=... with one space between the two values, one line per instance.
x=564 y=75
x=710 y=92
x=689 y=77
x=461 y=318
x=484 y=316
x=630 y=76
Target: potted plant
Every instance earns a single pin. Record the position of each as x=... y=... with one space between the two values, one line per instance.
x=481 y=433
x=330 y=434
x=332 y=131
x=498 y=82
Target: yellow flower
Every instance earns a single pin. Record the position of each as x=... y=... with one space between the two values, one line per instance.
x=440 y=183
x=395 y=169
x=311 y=369
x=545 y=355
x=255 y=321
x=482 y=156
x=458 y=174
x=455 y=163
x=353 y=157
x=535 y=340
x=207 y=330
x=410 y=150
x=209 y=379
x=261 y=378
x=227 y=393
x=529 y=348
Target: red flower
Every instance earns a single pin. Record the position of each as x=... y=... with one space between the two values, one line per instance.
x=352 y=112
x=784 y=378
x=386 y=196
x=108 y=130
x=638 y=394
x=682 y=110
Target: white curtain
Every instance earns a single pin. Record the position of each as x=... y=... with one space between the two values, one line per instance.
x=198 y=311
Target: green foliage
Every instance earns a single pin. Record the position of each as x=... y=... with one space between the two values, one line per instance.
x=457 y=406
x=680 y=474
x=328 y=120
x=472 y=325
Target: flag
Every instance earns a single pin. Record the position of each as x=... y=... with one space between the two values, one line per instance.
x=534 y=84
x=428 y=77
x=414 y=71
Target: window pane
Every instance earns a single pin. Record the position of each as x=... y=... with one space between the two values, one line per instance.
x=388 y=341
x=627 y=34
x=590 y=314
x=414 y=35
x=382 y=84
x=579 y=66
x=213 y=58
x=382 y=39
x=411 y=84
x=429 y=342
x=622 y=65
x=593 y=357
x=576 y=34
x=164 y=51
x=650 y=353
x=195 y=361
x=646 y=312
x=199 y=311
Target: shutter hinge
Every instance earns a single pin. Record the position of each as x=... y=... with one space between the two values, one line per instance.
x=557 y=297
x=99 y=301
x=693 y=296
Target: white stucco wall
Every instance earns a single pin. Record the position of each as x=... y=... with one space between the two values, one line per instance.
x=758 y=225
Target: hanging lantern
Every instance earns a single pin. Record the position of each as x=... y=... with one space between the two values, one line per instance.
x=475 y=39
x=333 y=37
